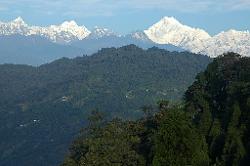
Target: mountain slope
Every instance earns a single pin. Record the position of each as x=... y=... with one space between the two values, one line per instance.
x=42 y=108
x=211 y=128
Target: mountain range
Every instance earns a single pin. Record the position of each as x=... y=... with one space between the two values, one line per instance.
x=170 y=31
x=168 y=34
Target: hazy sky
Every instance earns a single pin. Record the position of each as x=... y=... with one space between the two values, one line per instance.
x=125 y=16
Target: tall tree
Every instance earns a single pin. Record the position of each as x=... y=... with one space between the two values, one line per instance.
x=178 y=143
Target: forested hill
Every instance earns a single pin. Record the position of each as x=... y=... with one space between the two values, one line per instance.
x=123 y=74
x=220 y=103
x=42 y=108
x=211 y=128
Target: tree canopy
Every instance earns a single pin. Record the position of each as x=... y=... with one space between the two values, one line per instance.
x=211 y=128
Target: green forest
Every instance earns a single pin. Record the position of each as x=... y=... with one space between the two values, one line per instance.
x=210 y=127
x=42 y=109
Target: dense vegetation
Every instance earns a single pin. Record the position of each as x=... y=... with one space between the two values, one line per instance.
x=211 y=128
x=219 y=101
x=167 y=138
x=42 y=108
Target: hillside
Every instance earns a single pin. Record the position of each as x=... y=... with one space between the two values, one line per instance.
x=211 y=128
x=219 y=101
x=43 y=108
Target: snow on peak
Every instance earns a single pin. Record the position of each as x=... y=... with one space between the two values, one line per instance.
x=17 y=26
x=69 y=24
x=19 y=21
x=139 y=35
x=170 y=31
x=229 y=41
x=64 y=33
x=167 y=31
x=170 y=21
x=98 y=32
x=67 y=31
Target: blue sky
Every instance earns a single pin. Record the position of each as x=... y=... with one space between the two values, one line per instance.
x=124 y=16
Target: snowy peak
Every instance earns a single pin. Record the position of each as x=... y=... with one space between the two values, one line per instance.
x=69 y=24
x=18 y=21
x=171 y=21
x=229 y=41
x=139 y=35
x=98 y=32
x=170 y=31
x=66 y=32
x=17 y=26
x=233 y=33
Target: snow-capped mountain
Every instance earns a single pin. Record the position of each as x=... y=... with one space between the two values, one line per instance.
x=35 y=45
x=170 y=31
x=139 y=35
x=232 y=40
x=98 y=32
x=17 y=26
x=64 y=33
